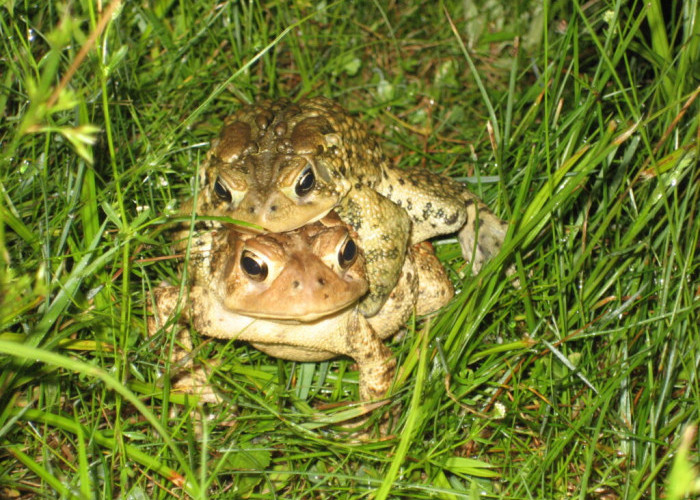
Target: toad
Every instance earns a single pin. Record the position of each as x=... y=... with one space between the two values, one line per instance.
x=280 y=165
x=294 y=295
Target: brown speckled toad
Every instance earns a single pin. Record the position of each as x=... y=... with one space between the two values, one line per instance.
x=281 y=165
x=294 y=295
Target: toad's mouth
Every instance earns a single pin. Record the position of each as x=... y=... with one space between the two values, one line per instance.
x=263 y=225
x=296 y=318
x=318 y=217
x=278 y=224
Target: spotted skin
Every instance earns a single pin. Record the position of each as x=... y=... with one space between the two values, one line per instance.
x=281 y=165
x=440 y=205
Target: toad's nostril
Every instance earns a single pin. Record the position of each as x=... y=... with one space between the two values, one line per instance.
x=295 y=284
x=321 y=281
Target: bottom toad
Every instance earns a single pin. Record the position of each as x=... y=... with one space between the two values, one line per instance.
x=294 y=295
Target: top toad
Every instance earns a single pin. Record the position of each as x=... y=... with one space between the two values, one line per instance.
x=280 y=165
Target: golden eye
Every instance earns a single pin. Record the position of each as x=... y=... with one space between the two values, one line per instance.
x=347 y=254
x=306 y=182
x=253 y=266
x=221 y=190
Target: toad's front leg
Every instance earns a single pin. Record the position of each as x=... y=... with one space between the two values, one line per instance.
x=384 y=229
x=374 y=359
x=186 y=377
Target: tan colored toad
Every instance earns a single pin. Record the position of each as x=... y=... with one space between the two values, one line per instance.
x=316 y=275
x=281 y=165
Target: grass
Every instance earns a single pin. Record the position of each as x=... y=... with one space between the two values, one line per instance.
x=576 y=122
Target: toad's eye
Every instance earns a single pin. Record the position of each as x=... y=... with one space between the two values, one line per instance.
x=347 y=254
x=306 y=182
x=253 y=266
x=221 y=191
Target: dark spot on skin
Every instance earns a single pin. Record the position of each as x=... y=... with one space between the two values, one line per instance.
x=401 y=181
x=251 y=210
x=273 y=208
x=327 y=129
x=393 y=253
x=295 y=284
x=452 y=219
x=342 y=170
x=263 y=120
x=358 y=185
x=468 y=203
x=414 y=182
x=326 y=296
x=350 y=153
x=319 y=149
x=280 y=129
x=386 y=176
x=409 y=277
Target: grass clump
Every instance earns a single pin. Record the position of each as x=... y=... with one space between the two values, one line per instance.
x=578 y=123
